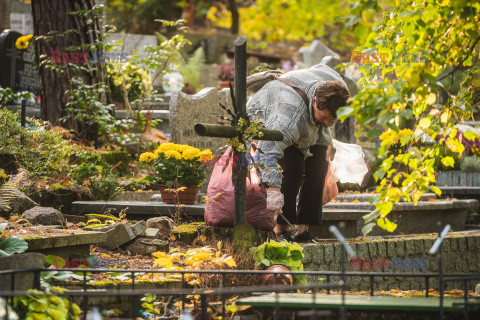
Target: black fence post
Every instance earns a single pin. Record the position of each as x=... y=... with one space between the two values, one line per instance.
x=23 y=113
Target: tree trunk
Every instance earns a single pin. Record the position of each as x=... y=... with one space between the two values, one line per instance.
x=232 y=6
x=54 y=16
x=3 y=15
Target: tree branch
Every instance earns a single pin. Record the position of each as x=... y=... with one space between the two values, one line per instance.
x=461 y=61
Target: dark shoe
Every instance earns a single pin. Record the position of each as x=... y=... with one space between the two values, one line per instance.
x=305 y=236
x=285 y=235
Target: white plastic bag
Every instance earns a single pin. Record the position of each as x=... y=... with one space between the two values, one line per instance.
x=349 y=164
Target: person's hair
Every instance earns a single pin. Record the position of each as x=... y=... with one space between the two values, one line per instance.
x=331 y=95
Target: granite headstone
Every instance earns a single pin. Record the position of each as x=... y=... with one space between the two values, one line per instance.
x=186 y=110
x=315 y=52
x=18 y=66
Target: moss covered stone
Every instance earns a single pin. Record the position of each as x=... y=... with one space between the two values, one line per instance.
x=94 y=226
x=187 y=233
x=101 y=217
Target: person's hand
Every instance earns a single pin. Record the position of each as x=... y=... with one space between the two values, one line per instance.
x=330 y=153
x=274 y=199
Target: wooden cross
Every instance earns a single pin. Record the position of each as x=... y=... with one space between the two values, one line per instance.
x=239 y=172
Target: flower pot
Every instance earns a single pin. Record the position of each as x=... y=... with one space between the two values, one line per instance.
x=225 y=84
x=185 y=196
x=282 y=279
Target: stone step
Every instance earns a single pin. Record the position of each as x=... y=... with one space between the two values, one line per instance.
x=63 y=245
x=136 y=196
x=136 y=209
x=409 y=206
x=364 y=197
x=157 y=105
x=454 y=191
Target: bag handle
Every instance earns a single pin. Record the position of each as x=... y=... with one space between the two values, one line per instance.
x=302 y=94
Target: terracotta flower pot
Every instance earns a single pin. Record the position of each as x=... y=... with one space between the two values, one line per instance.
x=186 y=196
x=282 y=279
x=225 y=84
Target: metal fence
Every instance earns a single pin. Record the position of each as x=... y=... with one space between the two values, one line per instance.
x=223 y=292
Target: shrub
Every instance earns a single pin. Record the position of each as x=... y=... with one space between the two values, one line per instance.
x=137 y=81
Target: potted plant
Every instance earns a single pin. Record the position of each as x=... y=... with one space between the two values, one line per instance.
x=279 y=256
x=179 y=169
x=225 y=75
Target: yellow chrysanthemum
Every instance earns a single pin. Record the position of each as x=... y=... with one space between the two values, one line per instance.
x=148 y=156
x=23 y=42
x=167 y=146
x=191 y=154
x=172 y=153
x=183 y=147
x=206 y=155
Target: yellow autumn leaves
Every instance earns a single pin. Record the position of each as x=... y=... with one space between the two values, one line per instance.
x=179 y=152
x=193 y=259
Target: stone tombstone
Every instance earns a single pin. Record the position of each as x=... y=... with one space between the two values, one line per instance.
x=187 y=110
x=21 y=22
x=19 y=69
x=315 y=52
x=136 y=42
x=132 y=42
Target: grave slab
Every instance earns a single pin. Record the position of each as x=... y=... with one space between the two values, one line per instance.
x=22 y=281
x=120 y=234
x=421 y=218
x=64 y=245
x=467 y=192
x=364 y=197
x=136 y=209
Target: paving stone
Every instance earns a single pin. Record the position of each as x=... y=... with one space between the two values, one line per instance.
x=320 y=254
x=372 y=250
x=391 y=252
x=160 y=245
x=477 y=242
x=453 y=244
x=153 y=233
x=307 y=253
x=362 y=250
x=139 y=227
x=419 y=246
x=409 y=247
x=119 y=235
x=400 y=248
x=329 y=252
x=471 y=245
x=462 y=244
x=136 y=247
x=382 y=249
x=338 y=252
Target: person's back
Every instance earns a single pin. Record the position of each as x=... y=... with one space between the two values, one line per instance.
x=305 y=129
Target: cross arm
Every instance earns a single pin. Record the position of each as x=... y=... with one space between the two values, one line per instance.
x=220 y=131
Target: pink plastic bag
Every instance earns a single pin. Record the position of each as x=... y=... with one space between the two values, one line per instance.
x=330 y=189
x=219 y=209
